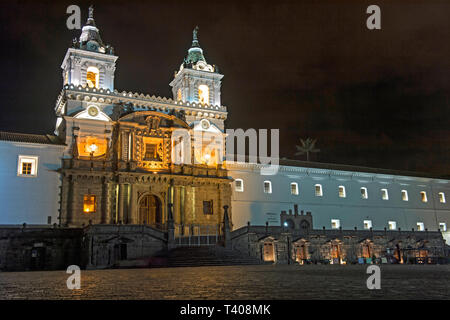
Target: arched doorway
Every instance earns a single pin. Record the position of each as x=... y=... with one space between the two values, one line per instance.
x=150 y=210
x=301 y=252
x=335 y=252
x=268 y=253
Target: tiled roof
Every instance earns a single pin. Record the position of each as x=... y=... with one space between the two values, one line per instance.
x=353 y=168
x=30 y=138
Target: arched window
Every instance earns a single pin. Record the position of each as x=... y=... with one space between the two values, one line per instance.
x=404 y=195
x=92 y=76
x=179 y=95
x=384 y=194
x=364 y=194
x=423 y=196
x=203 y=94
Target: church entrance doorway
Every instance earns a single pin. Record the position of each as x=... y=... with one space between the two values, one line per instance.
x=269 y=252
x=150 y=210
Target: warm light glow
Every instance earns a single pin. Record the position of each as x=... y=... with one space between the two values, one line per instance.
x=203 y=94
x=89 y=203
x=92 y=75
x=91 y=146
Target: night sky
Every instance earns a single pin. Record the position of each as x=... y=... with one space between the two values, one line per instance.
x=371 y=98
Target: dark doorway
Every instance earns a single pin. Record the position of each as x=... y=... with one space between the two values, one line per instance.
x=150 y=210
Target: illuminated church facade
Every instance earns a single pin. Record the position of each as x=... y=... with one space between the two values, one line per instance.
x=114 y=160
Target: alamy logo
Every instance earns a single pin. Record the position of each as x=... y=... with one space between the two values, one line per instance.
x=209 y=147
x=74 y=281
x=374 y=20
x=374 y=281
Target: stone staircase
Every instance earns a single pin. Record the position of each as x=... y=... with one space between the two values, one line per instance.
x=208 y=256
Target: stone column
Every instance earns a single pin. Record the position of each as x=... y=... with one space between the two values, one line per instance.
x=105 y=201
x=132 y=216
x=71 y=201
x=226 y=228
x=170 y=228
x=121 y=200
x=177 y=204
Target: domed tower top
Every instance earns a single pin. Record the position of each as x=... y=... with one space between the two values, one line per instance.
x=89 y=62
x=90 y=37
x=195 y=58
x=196 y=80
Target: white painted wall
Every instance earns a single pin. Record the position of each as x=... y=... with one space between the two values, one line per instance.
x=29 y=199
x=258 y=207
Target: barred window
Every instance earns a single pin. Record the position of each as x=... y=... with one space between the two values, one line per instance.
x=239 y=185
x=342 y=192
x=267 y=187
x=89 y=203
x=27 y=166
x=318 y=190
x=294 y=188
x=208 y=207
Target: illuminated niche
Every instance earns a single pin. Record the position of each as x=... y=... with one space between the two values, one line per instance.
x=89 y=203
x=203 y=94
x=91 y=146
x=92 y=75
x=152 y=154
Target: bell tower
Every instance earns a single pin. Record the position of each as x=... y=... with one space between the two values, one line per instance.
x=196 y=80
x=90 y=62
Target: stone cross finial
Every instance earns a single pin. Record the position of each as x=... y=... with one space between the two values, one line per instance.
x=91 y=12
x=194 y=33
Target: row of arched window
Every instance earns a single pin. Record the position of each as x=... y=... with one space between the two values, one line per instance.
x=318 y=190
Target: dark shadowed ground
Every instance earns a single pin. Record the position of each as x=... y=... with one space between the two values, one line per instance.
x=234 y=282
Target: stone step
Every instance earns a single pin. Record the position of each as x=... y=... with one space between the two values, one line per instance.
x=208 y=256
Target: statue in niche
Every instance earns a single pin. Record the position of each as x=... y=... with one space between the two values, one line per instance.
x=153 y=123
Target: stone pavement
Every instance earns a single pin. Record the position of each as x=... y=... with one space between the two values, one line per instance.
x=234 y=282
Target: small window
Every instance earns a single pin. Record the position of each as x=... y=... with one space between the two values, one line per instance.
x=420 y=226
x=423 y=196
x=404 y=195
x=318 y=189
x=384 y=194
x=267 y=187
x=239 y=185
x=179 y=95
x=203 y=94
x=335 y=223
x=89 y=203
x=151 y=152
x=27 y=166
x=342 y=192
x=92 y=75
x=441 y=197
x=294 y=188
x=208 y=207
x=392 y=225
x=364 y=194
x=443 y=226
x=367 y=224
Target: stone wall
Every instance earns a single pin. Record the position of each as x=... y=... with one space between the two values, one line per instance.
x=39 y=248
x=106 y=245
x=339 y=246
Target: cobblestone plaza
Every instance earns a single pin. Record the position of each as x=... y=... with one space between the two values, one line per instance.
x=234 y=282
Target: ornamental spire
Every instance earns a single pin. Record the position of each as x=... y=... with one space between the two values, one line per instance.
x=195 y=37
x=90 y=20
